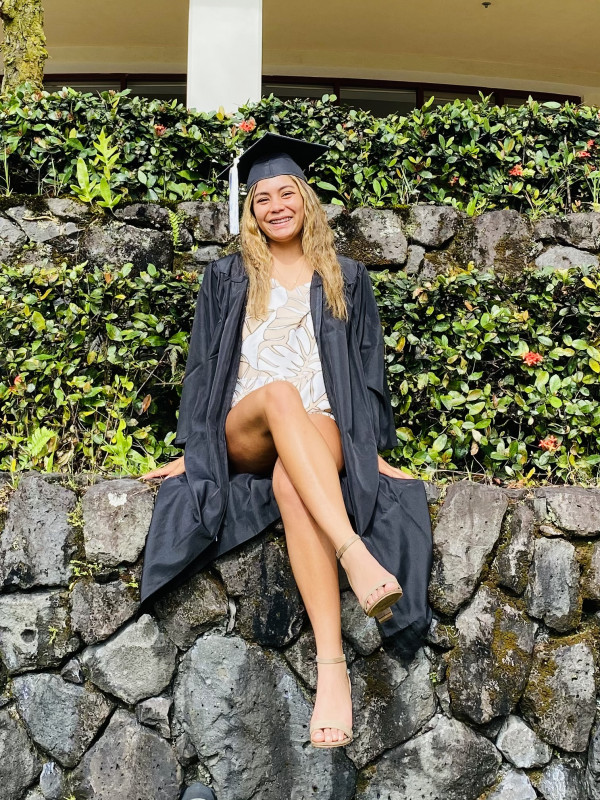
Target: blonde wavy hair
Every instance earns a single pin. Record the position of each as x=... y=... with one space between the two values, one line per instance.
x=317 y=245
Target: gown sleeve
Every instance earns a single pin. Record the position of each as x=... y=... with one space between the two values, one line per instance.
x=205 y=321
x=371 y=346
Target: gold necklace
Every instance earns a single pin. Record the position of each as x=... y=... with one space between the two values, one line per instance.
x=296 y=279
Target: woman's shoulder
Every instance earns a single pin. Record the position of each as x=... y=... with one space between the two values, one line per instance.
x=230 y=266
x=351 y=269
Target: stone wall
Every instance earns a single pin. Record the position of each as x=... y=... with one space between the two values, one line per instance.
x=99 y=699
x=423 y=239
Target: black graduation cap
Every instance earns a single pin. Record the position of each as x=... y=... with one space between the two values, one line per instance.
x=270 y=156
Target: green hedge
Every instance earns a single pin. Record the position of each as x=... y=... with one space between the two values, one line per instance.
x=92 y=362
x=538 y=158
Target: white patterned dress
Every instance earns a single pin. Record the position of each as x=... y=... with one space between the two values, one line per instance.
x=283 y=347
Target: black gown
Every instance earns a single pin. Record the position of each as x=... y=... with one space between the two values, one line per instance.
x=205 y=512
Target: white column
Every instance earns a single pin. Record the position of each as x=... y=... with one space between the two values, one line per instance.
x=224 y=53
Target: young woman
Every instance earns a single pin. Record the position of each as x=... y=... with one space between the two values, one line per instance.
x=283 y=409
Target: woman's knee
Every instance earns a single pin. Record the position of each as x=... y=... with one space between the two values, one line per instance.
x=281 y=398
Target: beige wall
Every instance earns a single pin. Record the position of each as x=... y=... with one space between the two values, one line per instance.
x=546 y=45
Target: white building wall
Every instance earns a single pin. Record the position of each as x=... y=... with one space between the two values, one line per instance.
x=224 y=53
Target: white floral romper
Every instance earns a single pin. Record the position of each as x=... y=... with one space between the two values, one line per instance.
x=283 y=347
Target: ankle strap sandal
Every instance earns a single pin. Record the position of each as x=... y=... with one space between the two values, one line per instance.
x=320 y=724
x=380 y=608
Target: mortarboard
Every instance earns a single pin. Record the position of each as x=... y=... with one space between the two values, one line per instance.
x=270 y=156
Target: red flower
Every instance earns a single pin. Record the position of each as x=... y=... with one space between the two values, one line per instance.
x=159 y=129
x=549 y=443
x=583 y=154
x=532 y=359
x=453 y=180
x=248 y=125
x=516 y=170
x=16 y=383
x=590 y=143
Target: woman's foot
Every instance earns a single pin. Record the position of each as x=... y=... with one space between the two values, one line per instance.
x=333 y=701
x=364 y=571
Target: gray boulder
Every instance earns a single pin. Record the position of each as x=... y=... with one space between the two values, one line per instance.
x=382 y=234
x=414 y=259
x=391 y=702
x=207 y=221
x=269 y=608
x=592 y=773
x=12 y=239
x=488 y=669
x=513 y=785
x=192 y=608
x=138 y=662
x=467 y=530
x=561 y=780
x=116 y=518
x=499 y=240
x=575 y=510
x=229 y=691
x=559 y=701
x=19 y=763
x=590 y=579
x=39 y=228
x=37 y=543
x=432 y=226
x=128 y=761
x=514 y=558
x=53 y=782
x=448 y=761
x=145 y=215
x=62 y=718
x=34 y=630
x=582 y=230
x=118 y=244
x=99 y=609
x=361 y=631
x=154 y=712
x=66 y=208
x=553 y=592
x=522 y=746
x=560 y=257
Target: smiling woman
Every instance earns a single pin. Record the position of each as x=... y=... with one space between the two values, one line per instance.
x=284 y=407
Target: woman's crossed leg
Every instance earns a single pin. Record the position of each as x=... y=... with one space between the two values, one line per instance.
x=269 y=429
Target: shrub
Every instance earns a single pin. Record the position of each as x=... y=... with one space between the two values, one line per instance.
x=538 y=158
x=488 y=374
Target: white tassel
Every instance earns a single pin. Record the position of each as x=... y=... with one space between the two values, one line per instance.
x=234 y=202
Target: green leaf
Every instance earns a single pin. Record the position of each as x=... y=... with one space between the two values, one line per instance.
x=440 y=443
x=113 y=333
x=38 y=322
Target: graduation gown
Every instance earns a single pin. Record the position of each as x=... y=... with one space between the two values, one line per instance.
x=206 y=512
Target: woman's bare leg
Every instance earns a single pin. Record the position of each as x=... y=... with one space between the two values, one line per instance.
x=314 y=565
x=271 y=422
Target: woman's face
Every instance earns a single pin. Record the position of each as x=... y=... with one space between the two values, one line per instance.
x=279 y=208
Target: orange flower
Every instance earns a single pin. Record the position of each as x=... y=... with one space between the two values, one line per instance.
x=16 y=384
x=453 y=180
x=159 y=129
x=516 y=170
x=550 y=443
x=583 y=154
x=248 y=125
x=532 y=359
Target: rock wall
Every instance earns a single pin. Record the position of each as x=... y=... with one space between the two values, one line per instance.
x=99 y=699
x=422 y=239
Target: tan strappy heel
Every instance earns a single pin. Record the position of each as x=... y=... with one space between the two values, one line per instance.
x=380 y=609
x=320 y=724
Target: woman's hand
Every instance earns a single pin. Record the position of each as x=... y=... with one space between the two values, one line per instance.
x=176 y=467
x=393 y=472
